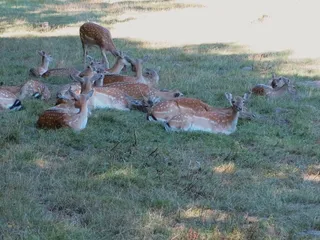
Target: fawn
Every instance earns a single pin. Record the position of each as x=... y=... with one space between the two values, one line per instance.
x=77 y=121
x=45 y=60
x=219 y=120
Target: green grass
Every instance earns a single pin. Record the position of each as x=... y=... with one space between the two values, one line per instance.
x=126 y=178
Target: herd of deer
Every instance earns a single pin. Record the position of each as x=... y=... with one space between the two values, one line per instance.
x=99 y=86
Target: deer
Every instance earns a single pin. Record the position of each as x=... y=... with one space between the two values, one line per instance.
x=31 y=88
x=164 y=111
x=92 y=34
x=66 y=104
x=104 y=97
x=144 y=93
x=220 y=120
x=45 y=60
x=279 y=87
x=9 y=101
x=121 y=63
x=52 y=119
x=149 y=77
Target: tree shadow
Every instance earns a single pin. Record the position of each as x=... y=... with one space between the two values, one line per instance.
x=114 y=185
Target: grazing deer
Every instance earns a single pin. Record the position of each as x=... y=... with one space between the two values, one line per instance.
x=9 y=101
x=45 y=60
x=220 y=120
x=32 y=88
x=140 y=91
x=279 y=86
x=93 y=34
x=149 y=77
x=77 y=121
x=104 y=97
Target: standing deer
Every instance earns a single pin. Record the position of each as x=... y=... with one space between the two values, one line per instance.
x=77 y=121
x=45 y=60
x=9 y=101
x=92 y=34
x=219 y=120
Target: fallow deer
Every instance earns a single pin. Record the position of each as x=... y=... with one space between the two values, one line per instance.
x=143 y=92
x=77 y=121
x=31 y=88
x=279 y=87
x=45 y=60
x=220 y=120
x=9 y=101
x=104 y=97
x=121 y=63
x=92 y=34
x=149 y=77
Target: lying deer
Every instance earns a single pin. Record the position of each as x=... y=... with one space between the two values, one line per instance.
x=45 y=60
x=164 y=111
x=149 y=77
x=121 y=63
x=77 y=121
x=143 y=92
x=220 y=120
x=104 y=97
x=9 y=101
x=93 y=34
x=32 y=88
x=279 y=86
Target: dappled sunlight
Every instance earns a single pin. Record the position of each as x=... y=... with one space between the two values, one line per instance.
x=205 y=215
x=42 y=163
x=225 y=168
x=125 y=172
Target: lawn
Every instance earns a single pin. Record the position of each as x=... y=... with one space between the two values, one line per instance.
x=124 y=177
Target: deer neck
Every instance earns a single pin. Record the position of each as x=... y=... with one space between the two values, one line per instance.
x=117 y=67
x=81 y=117
x=45 y=63
x=280 y=91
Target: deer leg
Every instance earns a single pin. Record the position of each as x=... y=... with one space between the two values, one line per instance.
x=104 y=55
x=85 y=50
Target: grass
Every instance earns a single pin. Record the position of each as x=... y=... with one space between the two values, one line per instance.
x=126 y=178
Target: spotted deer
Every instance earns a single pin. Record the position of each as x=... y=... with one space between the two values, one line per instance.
x=45 y=60
x=77 y=121
x=31 y=88
x=219 y=120
x=279 y=87
x=149 y=77
x=9 y=101
x=92 y=34
x=144 y=93
x=121 y=63
x=104 y=97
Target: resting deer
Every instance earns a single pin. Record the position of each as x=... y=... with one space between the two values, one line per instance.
x=121 y=63
x=220 y=120
x=45 y=60
x=93 y=34
x=104 y=97
x=149 y=77
x=32 y=88
x=66 y=104
x=279 y=86
x=140 y=91
x=77 y=121
x=9 y=101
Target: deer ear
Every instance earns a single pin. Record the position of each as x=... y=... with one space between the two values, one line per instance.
x=145 y=58
x=246 y=96
x=228 y=96
x=273 y=76
x=76 y=78
x=89 y=94
x=41 y=53
x=75 y=96
x=158 y=68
